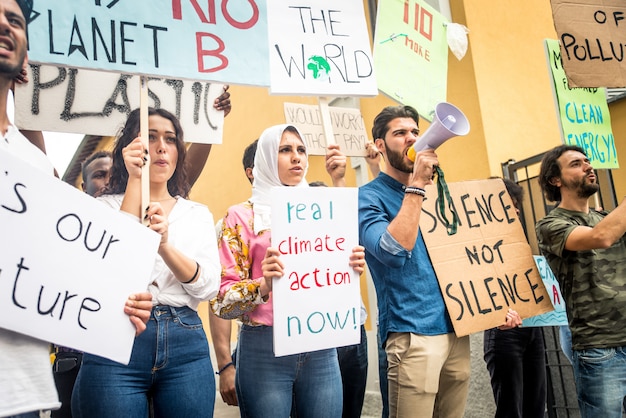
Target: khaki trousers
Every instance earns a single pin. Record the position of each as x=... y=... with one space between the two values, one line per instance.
x=428 y=375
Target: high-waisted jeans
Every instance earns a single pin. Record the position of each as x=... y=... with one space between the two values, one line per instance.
x=267 y=385
x=170 y=363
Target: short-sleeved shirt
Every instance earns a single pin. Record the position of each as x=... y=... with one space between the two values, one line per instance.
x=593 y=282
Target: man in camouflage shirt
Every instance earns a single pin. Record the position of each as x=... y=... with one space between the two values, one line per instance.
x=586 y=250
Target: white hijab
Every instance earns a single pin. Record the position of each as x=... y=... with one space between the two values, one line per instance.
x=265 y=174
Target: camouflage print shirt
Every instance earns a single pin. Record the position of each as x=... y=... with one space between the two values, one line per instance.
x=593 y=282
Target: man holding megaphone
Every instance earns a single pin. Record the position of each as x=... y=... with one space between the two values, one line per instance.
x=429 y=367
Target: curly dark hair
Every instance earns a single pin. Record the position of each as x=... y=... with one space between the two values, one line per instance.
x=389 y=113
x=177 y=184
x=550 y=169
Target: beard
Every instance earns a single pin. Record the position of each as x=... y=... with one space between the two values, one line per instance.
x=588 y=190
x=397 y=161
x=582 y=187
x=10 y=71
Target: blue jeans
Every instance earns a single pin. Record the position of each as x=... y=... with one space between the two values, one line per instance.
x=266 y=385
x=170 y=363
x=353 y=366
x=600 y=375
x=565 y=340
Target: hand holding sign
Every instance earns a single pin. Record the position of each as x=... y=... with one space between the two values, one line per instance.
x=357 y=259
x=336 y=164
x=157 y=220
x=135 y=157
x=513 y=320
x=138 y=308
x=272 y=269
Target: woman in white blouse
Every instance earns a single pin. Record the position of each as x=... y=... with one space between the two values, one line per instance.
x=170 y=361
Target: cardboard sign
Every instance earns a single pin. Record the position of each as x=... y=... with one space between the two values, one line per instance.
x=583 y=114
x=348 y=128
x=68 y=263
x=411 y=54
x=195 y=40
x=317 y=301
x=592 y=36
x=487 y=267
x=557 y=317
x=319 y=48
x=98 y=103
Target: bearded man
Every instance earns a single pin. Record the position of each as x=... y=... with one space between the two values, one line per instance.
x=586 y=250
x=428 y=366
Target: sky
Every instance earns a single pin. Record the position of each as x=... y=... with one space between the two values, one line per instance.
x=60 y=146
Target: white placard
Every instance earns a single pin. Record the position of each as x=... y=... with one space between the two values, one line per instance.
x=347 y=126
x=319 y=48
x=98 y=103
x=317 y=301
x=68 y=263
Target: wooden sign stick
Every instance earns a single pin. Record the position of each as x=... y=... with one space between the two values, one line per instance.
x=144 y=132
x=326 y=120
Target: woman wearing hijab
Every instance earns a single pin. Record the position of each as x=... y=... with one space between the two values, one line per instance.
x=267 y=385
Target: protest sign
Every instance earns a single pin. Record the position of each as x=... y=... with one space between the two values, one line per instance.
x=411 y=54
x=583 y=114
x=557 y=317
x=317 y=301
x=98 y=103
x=319 y=48
x=347 y=126
x=225 y=42
x=592 y=36
x=487 y=267
x=69 y=263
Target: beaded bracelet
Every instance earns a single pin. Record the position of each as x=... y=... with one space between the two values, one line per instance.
x=226 y=366
x=415 y=190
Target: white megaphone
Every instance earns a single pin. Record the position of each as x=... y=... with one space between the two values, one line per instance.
x=449 y=121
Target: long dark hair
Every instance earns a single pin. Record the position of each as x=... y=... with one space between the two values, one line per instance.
x=177 y=184
x=550 y=168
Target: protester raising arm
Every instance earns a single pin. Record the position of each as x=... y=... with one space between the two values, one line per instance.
x=197 y=154
x=336 y=165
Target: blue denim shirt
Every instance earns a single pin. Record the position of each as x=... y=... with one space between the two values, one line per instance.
x=409 y=297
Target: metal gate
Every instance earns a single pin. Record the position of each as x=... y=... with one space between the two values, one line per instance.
x=561 y=400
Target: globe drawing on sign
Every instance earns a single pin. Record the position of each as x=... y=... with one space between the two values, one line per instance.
x=319 y=67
